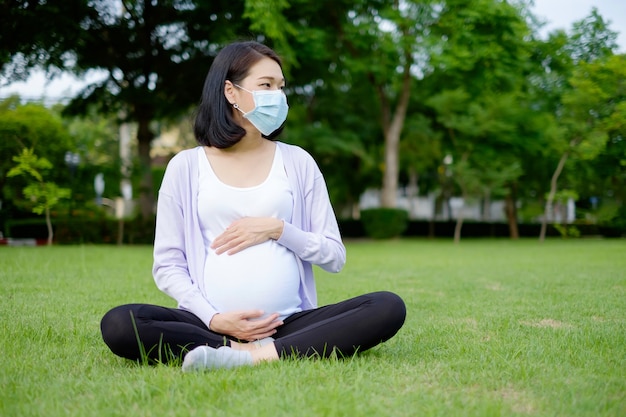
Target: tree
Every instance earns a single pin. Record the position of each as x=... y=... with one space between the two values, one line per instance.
x=37 y=34
x=334 y=112
x=591 y=39
x=155 y=55
x=485 y=146
x=420 y=151
x=583 y=99
x=387 y=46
x=363 y=54
x=590 y=109
x=42 y=194
x=31 y=126
x=478 y=98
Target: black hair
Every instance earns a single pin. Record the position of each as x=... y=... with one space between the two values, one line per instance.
x=214 y=124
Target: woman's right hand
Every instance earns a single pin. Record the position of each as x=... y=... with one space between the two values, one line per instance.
x=243 y=326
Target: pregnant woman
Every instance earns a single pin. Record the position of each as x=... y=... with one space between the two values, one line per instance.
x=241 y=220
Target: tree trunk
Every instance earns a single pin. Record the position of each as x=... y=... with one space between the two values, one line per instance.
x=486 y=213
x=120 y=231
x=392 y=137
x=412 y=190
x=459 y=222
x=437 y=203
x=511 y=215
x=510 y=209
x=550 y=199
x=390 y=175
x=49 y=225
x=392 y=168
x=146 y=193
x=464 y=194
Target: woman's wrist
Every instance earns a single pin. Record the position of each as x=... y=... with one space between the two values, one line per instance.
x=278 y=231
x=211 y=325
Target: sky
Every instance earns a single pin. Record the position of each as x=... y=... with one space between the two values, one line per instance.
x=558 y=14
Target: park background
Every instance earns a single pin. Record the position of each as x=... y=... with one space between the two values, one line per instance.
x=427 y=118
x=474 y=104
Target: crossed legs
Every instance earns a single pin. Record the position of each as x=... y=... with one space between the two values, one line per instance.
x=356 y=324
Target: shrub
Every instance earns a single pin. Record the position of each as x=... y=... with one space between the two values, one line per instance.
x=86 y=228
x=33 y=228
x=384 y=223
x=618 y=222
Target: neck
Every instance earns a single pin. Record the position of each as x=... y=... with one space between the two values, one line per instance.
x=249 y=143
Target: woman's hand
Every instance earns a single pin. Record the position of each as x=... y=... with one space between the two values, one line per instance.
x=242 y=326
x=246 y=232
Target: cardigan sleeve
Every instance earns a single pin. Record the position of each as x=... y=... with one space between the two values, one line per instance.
x=170 y=267
x=314 y=234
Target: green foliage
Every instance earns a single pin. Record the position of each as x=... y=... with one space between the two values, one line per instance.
x=530 y=211
x=43 y=195
x=27 y=42
x=590 y=117
x=619 y=220
x=29 y=164
x=482 y=84
x=86 y=228
x=156 y=53
x=31 y=126
x=591 y=39
x=482 y=46
x=340 y=154
x=420 y=147
x=384 y=223
x=97 y=136
x=277 y=28
x=567 y=230
x=563 y=195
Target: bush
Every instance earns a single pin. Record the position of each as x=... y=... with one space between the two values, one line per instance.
x=86 y=228
x=384 y=223
x=618 y=222
x=32 y=228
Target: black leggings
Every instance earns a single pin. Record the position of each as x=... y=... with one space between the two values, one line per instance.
x=164 y=334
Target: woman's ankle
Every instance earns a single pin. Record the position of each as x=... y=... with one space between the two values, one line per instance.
x=252 y=346
x=267 y=353
x=240 y=346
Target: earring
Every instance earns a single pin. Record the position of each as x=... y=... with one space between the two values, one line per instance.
x=236 y=106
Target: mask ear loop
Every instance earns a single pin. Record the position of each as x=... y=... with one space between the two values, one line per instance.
x=236 y=107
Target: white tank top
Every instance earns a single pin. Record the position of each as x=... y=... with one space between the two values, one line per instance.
x=264 y=276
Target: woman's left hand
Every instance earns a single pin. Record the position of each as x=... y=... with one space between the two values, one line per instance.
x=246 y=232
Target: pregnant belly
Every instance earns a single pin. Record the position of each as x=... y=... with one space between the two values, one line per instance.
x=263 y=277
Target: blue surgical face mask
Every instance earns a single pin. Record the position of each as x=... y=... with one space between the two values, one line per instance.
x=270 y=109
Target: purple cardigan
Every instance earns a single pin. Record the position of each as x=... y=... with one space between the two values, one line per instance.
x=179 y=253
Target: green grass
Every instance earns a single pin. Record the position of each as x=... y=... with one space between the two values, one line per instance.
x=494 y=328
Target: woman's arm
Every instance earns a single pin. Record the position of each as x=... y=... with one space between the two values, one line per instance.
x=170 y=268
x=321 y=245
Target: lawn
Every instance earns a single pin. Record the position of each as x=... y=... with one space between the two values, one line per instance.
x=494 y=328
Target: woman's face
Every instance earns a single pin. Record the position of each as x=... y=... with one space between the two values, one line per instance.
x=264 y=75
